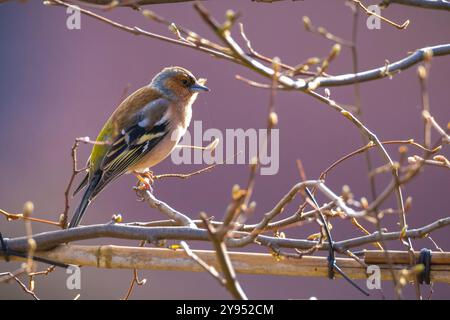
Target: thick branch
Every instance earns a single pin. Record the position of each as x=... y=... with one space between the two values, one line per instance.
x=376 y=236
x=51 y=239
x=427 y=4
x=118 y=257
x=163 y=207
x=385 y=71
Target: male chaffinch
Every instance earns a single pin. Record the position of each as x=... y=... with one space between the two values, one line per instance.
x=141 y=132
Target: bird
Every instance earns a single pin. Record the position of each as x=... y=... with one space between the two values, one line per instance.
x=140 y=133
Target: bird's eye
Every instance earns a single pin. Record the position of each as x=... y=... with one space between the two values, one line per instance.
x=185 y=82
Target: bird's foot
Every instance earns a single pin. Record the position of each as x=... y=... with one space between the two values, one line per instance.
x=145 y=181
x=149 y=175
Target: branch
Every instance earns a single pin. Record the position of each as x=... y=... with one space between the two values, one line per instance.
x=135 y=280
x=297 y=217
x=137 y=3
x=429 y=4
x=269 y=216
x=403 y=26
x=377 y=236
x=126 y=3
x=20 y=283
x=385 y=71
x=288 y=83
x=50 y=239
x=426 y=4
x=214 y=273
x=119 y=257
x=163 y=207
x=224 y=261
x=223 y=32
x=138 y=31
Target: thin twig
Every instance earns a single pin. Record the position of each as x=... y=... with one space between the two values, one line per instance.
x=371 y=13
x=211 y=270
x=135 y=280
x=21 y=284
x=217 y=238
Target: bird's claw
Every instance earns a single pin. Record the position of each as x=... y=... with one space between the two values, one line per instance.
x=149 y=175
x=144 y=186
x=145 y=181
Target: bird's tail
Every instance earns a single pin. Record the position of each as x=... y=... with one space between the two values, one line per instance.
x=85 y=201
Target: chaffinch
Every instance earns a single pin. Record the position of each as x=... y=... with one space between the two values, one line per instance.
x=141 y=132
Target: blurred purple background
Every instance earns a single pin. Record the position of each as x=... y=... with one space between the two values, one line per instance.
x=58 y=84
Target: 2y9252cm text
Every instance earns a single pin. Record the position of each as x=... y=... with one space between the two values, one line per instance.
x=243 y=309
x=226 y=309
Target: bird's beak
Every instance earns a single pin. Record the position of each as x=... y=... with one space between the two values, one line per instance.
x=199 y=87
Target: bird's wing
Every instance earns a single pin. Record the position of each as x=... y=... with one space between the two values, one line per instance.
x=139 y=137
x=127 y=113
x=134 y=141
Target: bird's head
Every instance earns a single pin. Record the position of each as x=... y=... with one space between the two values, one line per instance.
x=178 y=83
